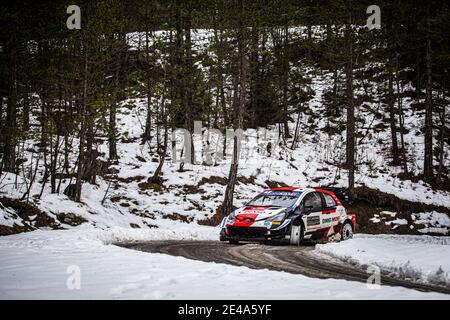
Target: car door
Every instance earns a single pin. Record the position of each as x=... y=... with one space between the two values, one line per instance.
x=330 y=214
x=312 y=206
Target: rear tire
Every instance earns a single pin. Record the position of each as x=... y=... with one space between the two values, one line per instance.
x=347 y=231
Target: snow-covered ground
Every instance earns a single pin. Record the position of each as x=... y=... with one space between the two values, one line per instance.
x=420 y=258
x=53 y=264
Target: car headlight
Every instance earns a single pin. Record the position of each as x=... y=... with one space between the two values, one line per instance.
x=232 y=216
x=278 y=218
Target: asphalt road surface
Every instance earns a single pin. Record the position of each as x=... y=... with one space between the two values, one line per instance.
x=293 y=259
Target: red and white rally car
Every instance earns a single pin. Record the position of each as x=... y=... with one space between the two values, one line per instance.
x=290 y=215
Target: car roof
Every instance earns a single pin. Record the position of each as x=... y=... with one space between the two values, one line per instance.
x=291 y=189
x=303 y=191
x=300 y=189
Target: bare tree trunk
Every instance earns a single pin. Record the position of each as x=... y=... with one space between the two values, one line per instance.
x=9 y=153
x=428 y=141
x=80 y=170
x=45 y=177
x=441 y=141
x=112 y=127
x=189 y=89
x=294 y=141
x=1 y=114
x=162 y=155
x=147 y=137
x=227 y=204
x=53 y=164
x=401 y=119
x=239 y=102
x=392 y=122
x=285 y=80
x=350 y=135
x=67 y=131
x=26 y=195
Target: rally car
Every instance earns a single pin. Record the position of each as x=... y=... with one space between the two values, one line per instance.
x=290 y=215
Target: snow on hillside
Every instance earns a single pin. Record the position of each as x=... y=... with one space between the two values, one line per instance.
x=195 y=194
x=46 y=265
x=420 y=258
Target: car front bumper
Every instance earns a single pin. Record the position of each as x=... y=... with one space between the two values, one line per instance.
x=256 y=234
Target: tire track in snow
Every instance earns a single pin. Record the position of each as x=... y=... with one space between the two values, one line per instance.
x=292 y=259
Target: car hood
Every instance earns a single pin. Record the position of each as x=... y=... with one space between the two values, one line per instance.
x=257 y=212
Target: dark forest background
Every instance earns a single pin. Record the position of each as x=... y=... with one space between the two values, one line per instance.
x=72 y=81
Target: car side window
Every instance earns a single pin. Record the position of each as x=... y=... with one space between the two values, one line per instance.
x=329 y=201
x=313 y=200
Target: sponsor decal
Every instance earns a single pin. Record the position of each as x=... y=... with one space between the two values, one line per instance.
x=253 y=210
x=281 y=193
x=313 y=220
x=327 y=220
x=335 y=219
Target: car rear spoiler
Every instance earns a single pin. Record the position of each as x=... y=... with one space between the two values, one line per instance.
x=343 y=194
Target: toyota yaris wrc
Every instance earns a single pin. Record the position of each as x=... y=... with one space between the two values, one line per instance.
x=290 y=215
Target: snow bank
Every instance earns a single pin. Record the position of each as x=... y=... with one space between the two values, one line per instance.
x=421 y=258
x=8 y=217
x=39 y=264
x=434 y=222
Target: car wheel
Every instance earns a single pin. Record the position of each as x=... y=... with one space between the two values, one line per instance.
x=347 y=231
x=296 y=234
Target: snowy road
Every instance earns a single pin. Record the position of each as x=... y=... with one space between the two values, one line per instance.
x=48 y=265
x=297 y=260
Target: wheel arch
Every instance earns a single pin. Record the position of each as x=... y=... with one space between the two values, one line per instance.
x=351 y=217
x=299 y=221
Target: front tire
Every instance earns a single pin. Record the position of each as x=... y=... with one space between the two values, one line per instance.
x=296 y=234
x=347 y=231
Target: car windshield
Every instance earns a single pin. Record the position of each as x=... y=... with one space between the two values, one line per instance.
x=275 y=199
